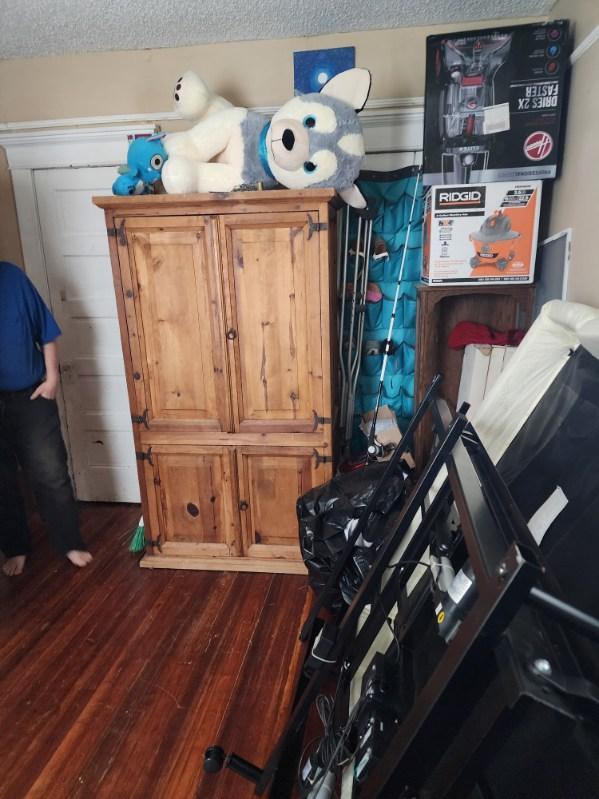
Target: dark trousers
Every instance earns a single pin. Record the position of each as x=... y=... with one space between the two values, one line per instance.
x=30 y=436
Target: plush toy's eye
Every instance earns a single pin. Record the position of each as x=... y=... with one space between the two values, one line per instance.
x=156 y=162
x=309 y=166
x=309 y=122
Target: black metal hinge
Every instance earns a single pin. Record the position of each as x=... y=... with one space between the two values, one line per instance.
x=315 y=227
x=321 y=458
x=119 y=233
x=154 y=543
x=143 y=419
x=320 y=420
x=145 y=456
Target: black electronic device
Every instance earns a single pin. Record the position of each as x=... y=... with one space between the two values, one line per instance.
x=379 y=715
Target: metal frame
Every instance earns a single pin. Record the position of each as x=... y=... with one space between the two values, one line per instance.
x=392 y=467
x=507 y=566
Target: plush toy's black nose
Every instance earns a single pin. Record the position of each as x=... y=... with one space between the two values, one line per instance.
x=288 y=139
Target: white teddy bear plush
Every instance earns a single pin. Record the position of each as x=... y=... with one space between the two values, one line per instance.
x=313 y=141
x=194 y=100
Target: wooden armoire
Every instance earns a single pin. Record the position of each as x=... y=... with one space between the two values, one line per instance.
x=226 y=307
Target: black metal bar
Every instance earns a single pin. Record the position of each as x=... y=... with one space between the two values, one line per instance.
x=404 y=568
x=371 y=582
x=562 y=611
x=389 y=548
x=346 y=553
x=499 y=596
x=243 y=767
x=485 y=540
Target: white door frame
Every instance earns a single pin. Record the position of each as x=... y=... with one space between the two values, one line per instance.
x=76 y=147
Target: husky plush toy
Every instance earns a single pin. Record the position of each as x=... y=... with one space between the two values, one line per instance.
x=313 y=141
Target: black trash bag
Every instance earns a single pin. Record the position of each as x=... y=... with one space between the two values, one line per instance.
x=327 y=515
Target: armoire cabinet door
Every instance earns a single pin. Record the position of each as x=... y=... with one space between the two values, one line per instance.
x=270 y=482
x=175 y=317
x=191 y=496
x=276 y=330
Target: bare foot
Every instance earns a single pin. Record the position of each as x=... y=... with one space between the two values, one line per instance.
x=14 y=566
x=79 y=557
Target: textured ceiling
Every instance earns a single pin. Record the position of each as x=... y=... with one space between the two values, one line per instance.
x=47 y=27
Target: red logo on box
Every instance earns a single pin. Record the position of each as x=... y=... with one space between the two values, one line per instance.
x=538 y=146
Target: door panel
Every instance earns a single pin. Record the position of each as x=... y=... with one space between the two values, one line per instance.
x=193 y=499
x=271 y=480
x=274 y=292
x=94 y=390
x=179 y=315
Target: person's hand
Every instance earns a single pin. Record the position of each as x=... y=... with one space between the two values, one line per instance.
x=47 y=389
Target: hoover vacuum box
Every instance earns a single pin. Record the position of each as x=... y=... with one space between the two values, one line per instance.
x=481 y=233
x=494 y=103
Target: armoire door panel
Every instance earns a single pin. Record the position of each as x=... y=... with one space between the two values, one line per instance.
x=194 y=495
x=177 y=294
x=272 y=266
x=271 y=480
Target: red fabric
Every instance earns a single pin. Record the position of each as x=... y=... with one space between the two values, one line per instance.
x=475 y=333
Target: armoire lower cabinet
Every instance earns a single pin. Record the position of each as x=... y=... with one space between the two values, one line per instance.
x=226 y=309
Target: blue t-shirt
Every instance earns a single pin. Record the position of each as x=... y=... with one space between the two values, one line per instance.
x=25 y=324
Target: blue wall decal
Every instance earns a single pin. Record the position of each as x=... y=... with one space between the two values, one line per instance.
x=313 y=68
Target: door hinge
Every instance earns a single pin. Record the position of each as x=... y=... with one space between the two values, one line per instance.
x=320 y=420
x=321 y=458
x=315 y=227
x=155 y=543
x=143 y=419
x=145 y=456
x=119 y=233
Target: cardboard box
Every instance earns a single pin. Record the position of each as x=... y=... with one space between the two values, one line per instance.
x=481 y=233
x=494 y=103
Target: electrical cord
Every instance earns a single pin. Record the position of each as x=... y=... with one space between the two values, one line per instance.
x=333 y=763
x=331 y=752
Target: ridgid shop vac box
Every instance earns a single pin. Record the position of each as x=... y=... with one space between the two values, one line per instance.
x=481 y=233
x=494 y=103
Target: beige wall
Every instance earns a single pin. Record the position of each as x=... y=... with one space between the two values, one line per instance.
x=576 y=194
x=10 y=241
x=248 y=73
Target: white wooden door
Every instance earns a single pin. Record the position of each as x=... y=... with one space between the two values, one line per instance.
x=96 y=409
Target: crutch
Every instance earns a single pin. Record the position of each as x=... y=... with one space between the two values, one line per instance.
x=360 y=306
x=342 y=256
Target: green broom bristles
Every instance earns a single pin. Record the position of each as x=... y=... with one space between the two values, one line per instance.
x=138 y=542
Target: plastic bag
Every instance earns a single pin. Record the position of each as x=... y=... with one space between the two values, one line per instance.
x=327 y=515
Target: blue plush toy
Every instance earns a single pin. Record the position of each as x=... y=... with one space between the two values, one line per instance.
x=145 y=159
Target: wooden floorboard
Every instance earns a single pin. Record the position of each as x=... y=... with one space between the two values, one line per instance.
x=114 y=679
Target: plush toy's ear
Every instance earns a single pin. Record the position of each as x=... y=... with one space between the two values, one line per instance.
x=353 y=196
x=351 y=86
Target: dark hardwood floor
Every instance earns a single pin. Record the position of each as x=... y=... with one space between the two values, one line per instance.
x=114 y=679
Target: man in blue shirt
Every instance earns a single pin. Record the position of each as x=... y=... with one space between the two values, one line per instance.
x=30 y=435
